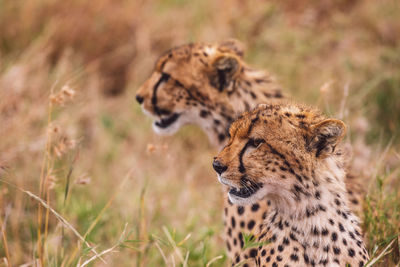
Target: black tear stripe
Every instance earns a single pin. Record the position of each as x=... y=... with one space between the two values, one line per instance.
x=164 y=78
x=242 y=169
x=250 y=142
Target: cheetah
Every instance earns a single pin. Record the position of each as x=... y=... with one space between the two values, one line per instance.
x=204 y=84
x=290 y=156
x=209 y=85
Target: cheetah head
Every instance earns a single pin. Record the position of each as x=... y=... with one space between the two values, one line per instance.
x=274 y=150
x=189 y=84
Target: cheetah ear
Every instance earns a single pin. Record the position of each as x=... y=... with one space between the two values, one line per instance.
x=325 y=136
x=223 y=71
x=233 y=46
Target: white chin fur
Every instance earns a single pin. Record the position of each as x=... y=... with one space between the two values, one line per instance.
x=170 y=130
x=260 y=194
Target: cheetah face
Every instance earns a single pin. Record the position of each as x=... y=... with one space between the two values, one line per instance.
x=272 y=151
x=188 y=84
x=161 y=98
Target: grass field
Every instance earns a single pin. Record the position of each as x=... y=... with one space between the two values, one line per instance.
x=85 y=181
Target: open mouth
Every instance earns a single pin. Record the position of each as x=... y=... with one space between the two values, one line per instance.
x=246 y=191
x=166 y=122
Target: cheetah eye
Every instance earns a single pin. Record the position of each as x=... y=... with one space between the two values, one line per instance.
x=256 y=142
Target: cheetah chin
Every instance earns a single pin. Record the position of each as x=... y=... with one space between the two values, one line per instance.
x=168 y=125
x=244 y=195
x=254 y=197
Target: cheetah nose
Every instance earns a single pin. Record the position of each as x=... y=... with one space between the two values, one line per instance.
x=219 y=167
x=139 y=99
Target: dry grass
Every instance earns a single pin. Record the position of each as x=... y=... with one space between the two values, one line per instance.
x=72 y=136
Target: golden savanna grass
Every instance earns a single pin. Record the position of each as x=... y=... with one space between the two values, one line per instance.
x=85 y=181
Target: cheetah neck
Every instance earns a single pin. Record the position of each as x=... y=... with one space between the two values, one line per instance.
x=322 y=225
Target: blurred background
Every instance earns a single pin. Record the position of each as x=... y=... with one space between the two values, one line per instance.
x=72 y=137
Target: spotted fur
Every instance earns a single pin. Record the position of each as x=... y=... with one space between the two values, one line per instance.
x=290 y=155
x=209 y=85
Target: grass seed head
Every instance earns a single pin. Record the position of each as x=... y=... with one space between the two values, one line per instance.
x=84 y=179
